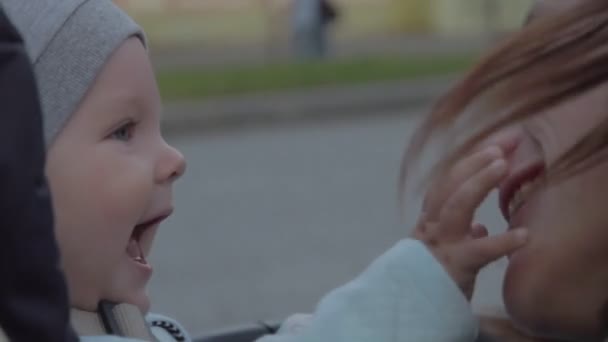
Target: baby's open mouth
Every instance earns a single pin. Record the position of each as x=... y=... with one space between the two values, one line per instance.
x=134 y=247
x=140 y=239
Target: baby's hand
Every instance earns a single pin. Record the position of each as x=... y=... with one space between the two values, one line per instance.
x=445 y=225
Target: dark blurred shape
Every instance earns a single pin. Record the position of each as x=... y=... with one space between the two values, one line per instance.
x=310 y=23
x=33 y=293
x=245 y=333
x=329 y=12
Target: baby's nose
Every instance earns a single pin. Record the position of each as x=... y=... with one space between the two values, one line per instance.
x=170 y=166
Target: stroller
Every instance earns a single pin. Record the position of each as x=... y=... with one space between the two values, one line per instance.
x=245 y=333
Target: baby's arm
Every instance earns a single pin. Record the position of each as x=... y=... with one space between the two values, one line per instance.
x=419 y=290
x=405 y=295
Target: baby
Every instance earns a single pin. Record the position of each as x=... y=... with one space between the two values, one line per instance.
x=109 y=169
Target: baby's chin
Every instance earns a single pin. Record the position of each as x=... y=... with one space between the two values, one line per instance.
x=129 y=285
x=142 y=301
x=138 y=298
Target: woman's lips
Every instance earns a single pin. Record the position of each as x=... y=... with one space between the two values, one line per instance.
x=513 y=184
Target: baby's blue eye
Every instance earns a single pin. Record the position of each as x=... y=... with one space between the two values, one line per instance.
x=124 y=133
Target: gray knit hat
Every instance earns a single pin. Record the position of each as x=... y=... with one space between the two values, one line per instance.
x=68 y=41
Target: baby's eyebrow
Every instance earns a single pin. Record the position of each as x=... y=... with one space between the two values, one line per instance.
x=128 y=103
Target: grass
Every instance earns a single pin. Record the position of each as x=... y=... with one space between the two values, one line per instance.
x=205 y=82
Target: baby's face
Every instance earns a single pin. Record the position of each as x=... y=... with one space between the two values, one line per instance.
x=111 y=175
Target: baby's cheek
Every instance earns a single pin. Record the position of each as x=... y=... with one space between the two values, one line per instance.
x=87 y=260
x=122 y=197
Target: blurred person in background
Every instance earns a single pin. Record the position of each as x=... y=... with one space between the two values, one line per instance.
x=310 y=24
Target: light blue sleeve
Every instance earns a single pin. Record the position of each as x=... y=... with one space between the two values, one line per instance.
x=404 y=296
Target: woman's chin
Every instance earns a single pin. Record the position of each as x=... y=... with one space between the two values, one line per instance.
x=524 y=304
x=516 y=296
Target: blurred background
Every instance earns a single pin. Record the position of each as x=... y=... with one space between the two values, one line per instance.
x=293 y=116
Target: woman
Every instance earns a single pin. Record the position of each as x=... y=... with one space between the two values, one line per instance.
x=547 y=87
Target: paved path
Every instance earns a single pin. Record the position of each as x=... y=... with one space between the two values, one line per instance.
x=316 y=104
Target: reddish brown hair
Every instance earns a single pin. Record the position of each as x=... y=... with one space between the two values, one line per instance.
x=551 y=60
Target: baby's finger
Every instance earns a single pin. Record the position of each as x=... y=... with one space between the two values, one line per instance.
x=440 y=189
x=507 y=139
x=479 y=231
x=460 y=208
x=481 y=252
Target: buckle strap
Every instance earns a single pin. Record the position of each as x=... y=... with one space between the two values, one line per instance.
x=124 y=320
x=87 y=323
